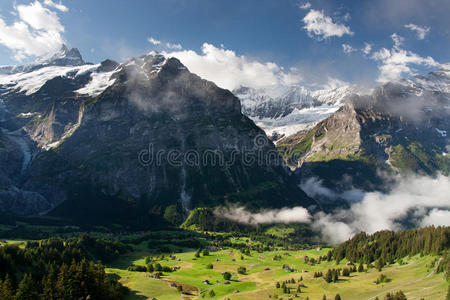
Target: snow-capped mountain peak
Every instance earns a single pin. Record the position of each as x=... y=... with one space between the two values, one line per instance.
x=64 y=57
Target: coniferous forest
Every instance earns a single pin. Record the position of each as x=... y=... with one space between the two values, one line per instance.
x=59 y=269
x=388 y=246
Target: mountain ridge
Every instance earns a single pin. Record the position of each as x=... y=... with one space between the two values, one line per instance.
x=401 y=128
x=84 y=160
x=284 y=110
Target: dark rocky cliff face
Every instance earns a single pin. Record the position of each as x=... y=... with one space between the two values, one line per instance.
x=129 y=157
x=12 y=197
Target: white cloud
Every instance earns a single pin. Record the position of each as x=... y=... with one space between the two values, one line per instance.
x=367 y=48
x=38 y=31
x=321 y=27
x=397 y=62
x=334 y=83
x=39 y=17
x=156 y=42
x=437 y=217
x=398 y=40
x=59 y=5
x=421 y=31
x=307 y=5
x=422 y=201
x=348 y=49
x=174 y=46
x=153 y=41
x=284 y=215
x=347 y=17
x=229 y=70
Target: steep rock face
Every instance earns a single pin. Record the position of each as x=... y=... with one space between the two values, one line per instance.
x=40 y=105
x=12 y=197
x=337 y=137
x=402 y=127
x=129 y=157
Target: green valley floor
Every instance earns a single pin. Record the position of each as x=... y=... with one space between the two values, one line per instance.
x=415 y=277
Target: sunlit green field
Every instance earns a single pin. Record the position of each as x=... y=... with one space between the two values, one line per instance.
x=20 y=243
x=415 y=278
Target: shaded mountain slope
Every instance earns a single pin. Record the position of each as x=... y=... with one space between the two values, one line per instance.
x=107 y=168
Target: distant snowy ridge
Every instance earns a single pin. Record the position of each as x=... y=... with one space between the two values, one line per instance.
x=435 y=82
x=66 y=63
x=285 y=110
x=30 y=82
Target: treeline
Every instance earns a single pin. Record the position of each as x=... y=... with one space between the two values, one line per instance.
x=90 y=247
x=59 y=269
x=388 y=246
x=79 y=280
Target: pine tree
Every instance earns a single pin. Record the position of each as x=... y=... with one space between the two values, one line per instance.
x=337 y=297
x=379 y=264
x=328 y=277
x=7 y=290
x=400 y=296
x=360 y=268
x=329 y=255
x=49 y=285
x=299 y=289
x=277 y=285
x=335 y=276
x=150 y=268
x=27 y=289
x=212 y=294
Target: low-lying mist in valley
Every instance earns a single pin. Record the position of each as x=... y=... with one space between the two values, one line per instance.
x=414 y=201
x=266 y=216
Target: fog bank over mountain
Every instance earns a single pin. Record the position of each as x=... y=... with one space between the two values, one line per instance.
x=415 y=201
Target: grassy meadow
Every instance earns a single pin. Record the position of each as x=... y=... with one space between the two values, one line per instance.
x=415 y=277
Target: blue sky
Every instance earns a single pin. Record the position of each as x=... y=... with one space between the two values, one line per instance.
x=303 y=39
